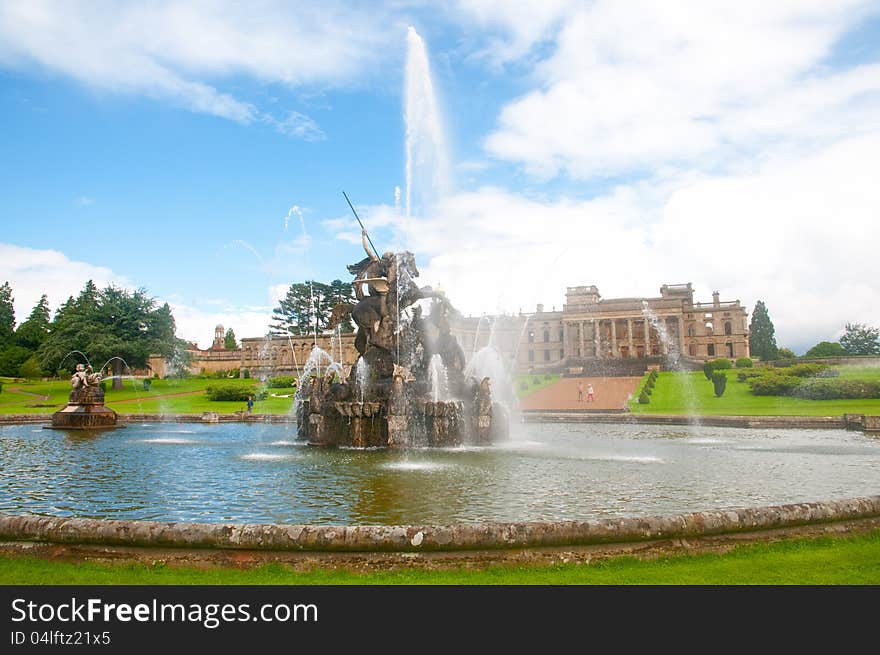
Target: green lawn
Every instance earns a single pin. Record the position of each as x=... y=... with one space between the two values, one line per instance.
x=150 y=402
x=824 y=561
x=532 y=383
x=691 y=393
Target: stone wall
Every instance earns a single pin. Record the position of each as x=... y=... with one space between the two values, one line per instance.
x=430 y=538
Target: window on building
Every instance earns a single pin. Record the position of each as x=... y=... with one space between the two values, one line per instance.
x=561 y=353
x=710 y=350
x=531 y=355
x=561 y=335
x=546 y=355
x=531 y=337
x=709 y=328
x=546 y=336
x=692 y=350
x=728 y=328
x=729 y=346
x=691 y=330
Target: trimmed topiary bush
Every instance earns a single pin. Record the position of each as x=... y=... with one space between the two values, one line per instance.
x=246 y=374
x=744 y=362
x=719 y=381
x=721 y=364
x=644 y=398
x=708 y=367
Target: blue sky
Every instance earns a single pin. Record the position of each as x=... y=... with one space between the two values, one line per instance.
x=627 y=145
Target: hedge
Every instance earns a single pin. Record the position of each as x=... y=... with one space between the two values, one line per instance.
x=236 y=392
x=836 y=389
x=281 y=382
x=774 y=385
x=744 y=362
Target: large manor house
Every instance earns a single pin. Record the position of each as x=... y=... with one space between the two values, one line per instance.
x=589 y=335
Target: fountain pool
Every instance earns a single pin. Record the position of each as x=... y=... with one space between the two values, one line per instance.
x=256 y=473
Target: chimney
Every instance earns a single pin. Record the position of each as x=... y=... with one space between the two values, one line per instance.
x=715 y=299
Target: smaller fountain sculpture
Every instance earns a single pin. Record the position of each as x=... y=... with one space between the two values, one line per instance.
x=85 y=407
x=408 y=387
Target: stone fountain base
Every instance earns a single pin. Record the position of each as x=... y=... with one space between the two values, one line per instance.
x=85 y=411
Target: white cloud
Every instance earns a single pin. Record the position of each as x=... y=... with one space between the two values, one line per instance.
x=634 y=88
x=33 y=272
x=181 y=52
x=798 y=233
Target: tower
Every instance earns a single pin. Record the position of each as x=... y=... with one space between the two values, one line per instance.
x=219 y=338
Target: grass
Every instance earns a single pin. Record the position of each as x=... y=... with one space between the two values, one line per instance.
x=533 y=382
x=691 y=393
x=852 y=560
x=28 y=397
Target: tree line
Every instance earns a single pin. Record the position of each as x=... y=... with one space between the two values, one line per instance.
x=858 y=339
x=102 y=323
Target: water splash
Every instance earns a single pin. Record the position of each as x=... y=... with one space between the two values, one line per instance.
x=362 y=377
x=63 y=359
x=427 y=162
x=673 y=361
x=438 y=378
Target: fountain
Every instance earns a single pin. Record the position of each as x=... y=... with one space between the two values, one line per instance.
x=85 y=408
x=408 y=387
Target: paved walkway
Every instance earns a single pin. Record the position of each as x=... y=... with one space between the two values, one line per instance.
x=610 y=394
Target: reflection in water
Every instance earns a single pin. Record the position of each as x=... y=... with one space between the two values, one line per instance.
x=259 y=473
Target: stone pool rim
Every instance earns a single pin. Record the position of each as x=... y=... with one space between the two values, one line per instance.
x=430 y=538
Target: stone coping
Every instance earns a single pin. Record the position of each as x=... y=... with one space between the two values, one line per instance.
x=810 y=422
x=830 y=422
x=422 y=538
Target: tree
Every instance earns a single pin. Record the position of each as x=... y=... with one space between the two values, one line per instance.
x=785 y=353
x=229 y=341
x=108 y=325
x=7 y=315
x=33 y=332
x=719 y=382
x=308 y=305
x=30 y=368
x=340 y=292
x=861 y=339
x=826 y=349
x=762 y=335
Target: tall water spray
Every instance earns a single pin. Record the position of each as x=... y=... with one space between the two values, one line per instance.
x=673 y=358
x=427 y=161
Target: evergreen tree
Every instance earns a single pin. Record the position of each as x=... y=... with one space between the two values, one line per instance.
x=33 y=332
x=7 y=315
x=762 y=335
x=110 y=323
x=229 y=341
x=301 y=309
x=861 y=339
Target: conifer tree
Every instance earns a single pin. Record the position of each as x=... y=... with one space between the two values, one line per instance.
x=762 y=334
